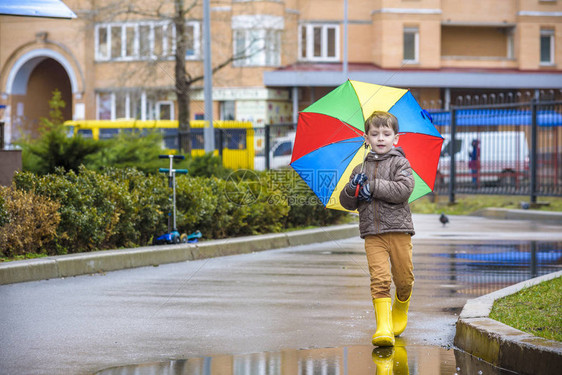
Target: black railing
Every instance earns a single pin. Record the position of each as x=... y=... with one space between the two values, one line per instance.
x=508 y=149
x=513 y=149
x=278 y=141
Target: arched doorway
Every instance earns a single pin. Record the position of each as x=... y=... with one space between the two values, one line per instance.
x=33 y=87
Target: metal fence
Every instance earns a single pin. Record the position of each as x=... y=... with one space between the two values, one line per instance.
x=502 y=149
x=508 y=149
x=278 y=141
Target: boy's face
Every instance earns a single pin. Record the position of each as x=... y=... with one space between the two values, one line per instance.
x=381 y=139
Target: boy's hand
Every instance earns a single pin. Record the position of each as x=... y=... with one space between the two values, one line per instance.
x=358 y=179
x=365 y=193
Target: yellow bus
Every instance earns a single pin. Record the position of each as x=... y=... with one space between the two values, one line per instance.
x=237 y=136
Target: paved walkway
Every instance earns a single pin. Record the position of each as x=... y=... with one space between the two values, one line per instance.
x=307 y=296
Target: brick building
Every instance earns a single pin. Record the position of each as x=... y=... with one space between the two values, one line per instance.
x=113 y=62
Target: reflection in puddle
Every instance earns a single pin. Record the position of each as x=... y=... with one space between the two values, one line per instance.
x=486 y=267
x=353 y=360
x=464 y=271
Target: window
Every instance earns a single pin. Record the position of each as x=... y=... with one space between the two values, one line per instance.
x=86 y=133
x=145 y=36
x=510 y=44
x=164 y=40
x=143 y=40
x=116 y=41
x=547 y=47
x=121 y=105
x=319 y=42
x=192 y=31
x=227 y=111
x=258 y=47
x=102 y=43
x=105 y=104
x=108 y=133
x=130 y=41
x=164 y=110
x=135 y=104
x=411 y=45
x=273 y=48
x=284 y=149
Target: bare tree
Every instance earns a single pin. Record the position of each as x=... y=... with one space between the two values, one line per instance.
x=183 y=79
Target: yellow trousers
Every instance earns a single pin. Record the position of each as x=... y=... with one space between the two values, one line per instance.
x=390 y=254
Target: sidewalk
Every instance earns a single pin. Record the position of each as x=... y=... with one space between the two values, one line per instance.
x=511 y=214
x=113 y=260
x=296 y=297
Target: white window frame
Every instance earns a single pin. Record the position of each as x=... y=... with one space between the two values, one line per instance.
x=416 y=31
x=111 y=105
x=124 y=32
x=550 y=34
x=273 y=47
x=161 y=103
x=196 y=41
x=99 y=56
x=264 y=52
x=510 y=44
x=168 y=42
x=308 y=30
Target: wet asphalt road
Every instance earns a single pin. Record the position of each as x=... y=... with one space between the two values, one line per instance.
x=306 y=297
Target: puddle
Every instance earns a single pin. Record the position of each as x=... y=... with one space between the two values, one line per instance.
x=352 y=360
x=462 y=270
x=482 y=268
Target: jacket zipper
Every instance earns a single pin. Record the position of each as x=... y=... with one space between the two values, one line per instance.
x=374 y=200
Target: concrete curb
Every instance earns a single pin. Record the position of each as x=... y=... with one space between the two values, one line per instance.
x=502 y=345
x=511 y=214
x=112 y=260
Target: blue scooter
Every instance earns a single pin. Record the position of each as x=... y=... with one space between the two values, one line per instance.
x=173 y=236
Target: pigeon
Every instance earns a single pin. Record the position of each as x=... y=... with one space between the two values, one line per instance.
x=443 y=219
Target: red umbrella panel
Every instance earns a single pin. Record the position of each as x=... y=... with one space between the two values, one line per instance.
x=329 y=139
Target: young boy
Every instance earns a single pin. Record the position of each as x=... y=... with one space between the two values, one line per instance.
x=379 y=190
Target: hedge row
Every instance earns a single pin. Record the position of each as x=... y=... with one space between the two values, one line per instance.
x=71 y=212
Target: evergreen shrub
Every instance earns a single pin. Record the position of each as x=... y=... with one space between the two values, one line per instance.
x=124 y=207
x=27 y=222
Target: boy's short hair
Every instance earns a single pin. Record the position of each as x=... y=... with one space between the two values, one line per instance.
x=381 y=119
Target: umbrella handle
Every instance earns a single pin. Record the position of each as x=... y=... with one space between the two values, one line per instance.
x=362 y=167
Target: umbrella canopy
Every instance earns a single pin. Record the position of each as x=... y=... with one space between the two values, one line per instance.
x=329 y=139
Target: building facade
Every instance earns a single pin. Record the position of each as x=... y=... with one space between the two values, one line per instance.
x=117 y=59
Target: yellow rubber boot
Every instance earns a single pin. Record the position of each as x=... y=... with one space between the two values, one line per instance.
x=400 y=366
x=400 y=314
x=383 y=360
x=384 y=335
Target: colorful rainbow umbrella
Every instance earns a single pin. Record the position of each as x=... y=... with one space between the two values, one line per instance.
x=329 y=140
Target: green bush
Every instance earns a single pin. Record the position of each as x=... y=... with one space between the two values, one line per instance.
x=142 y=204
x=206 y=165
x=27 y=222
x=221 y=208
x=305 y=207
x=126 y=208
x=100 y=211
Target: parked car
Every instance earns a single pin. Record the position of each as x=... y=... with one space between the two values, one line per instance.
x=486 y=158
x=279 y=155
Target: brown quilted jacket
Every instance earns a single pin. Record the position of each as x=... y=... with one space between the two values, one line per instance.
x=391 y=182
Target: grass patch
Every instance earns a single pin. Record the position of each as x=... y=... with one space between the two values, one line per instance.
x=467 y=204
x=22 y=257
x=535 y=310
